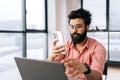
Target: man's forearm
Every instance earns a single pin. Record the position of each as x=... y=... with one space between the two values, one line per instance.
x=94 y=75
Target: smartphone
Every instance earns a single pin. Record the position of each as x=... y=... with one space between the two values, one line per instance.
x=58 y=35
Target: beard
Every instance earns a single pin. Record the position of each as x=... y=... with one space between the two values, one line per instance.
x=78 y=38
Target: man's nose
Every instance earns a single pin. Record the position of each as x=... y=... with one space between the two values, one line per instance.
x=74 y=29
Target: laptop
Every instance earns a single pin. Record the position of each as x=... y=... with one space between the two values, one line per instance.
x=32 y=69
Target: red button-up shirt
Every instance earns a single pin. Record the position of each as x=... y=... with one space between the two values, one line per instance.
x=93 y=53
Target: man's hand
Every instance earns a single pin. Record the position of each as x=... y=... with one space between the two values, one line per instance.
x=56 y=54
x=73 y=67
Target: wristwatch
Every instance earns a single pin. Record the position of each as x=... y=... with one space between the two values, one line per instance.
x=88 y=69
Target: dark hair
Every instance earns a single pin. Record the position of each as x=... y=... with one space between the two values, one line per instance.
x=80 y=13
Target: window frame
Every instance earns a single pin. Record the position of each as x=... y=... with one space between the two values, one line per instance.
x=25 y=30
x=111 y=62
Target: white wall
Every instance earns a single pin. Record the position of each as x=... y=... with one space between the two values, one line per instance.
x=57 y=17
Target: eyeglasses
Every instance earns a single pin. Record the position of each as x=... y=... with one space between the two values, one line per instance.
x=75 y=26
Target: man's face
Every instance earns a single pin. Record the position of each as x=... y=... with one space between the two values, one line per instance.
x=78 y=30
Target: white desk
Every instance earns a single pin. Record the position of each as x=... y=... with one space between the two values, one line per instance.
x=10 y=75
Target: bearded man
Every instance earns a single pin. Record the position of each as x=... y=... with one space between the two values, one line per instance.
x=85 y=57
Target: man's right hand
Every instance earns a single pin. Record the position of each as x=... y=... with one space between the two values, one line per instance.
x=56 y=54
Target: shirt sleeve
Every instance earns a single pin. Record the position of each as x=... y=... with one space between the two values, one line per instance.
x=98 y=59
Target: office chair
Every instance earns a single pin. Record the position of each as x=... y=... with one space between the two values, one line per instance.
x=105 y=70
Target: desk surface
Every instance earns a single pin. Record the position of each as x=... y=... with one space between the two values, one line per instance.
x=10 y=75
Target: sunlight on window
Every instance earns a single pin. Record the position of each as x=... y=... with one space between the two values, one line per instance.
x=11 y=15
x=98 y=10
x=35 y=14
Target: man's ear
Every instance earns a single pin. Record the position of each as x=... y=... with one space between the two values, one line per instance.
x=87 y=27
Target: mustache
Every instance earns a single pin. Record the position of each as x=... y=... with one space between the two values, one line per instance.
x=75 y=33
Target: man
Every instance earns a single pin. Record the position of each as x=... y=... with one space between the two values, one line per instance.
x=85 y=57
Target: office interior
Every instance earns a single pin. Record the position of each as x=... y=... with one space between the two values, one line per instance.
x=26 y=30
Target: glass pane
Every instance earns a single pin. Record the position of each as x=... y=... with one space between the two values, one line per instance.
x=102 y=37
x=35 y=14
x=11 y=15
x=36 y=45
x=114 y=46
x=11 y=45
x=98 y=10
x=114 y=15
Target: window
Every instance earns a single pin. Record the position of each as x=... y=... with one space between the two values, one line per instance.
x=114 y=29
x=36 y=45
x=114 y=49
x=23 y=32
x=98 y=10
x=35 y=14
x=106 y=16
x=98 y=23
x=11 y=15
x=114 y=15
x=35 y=20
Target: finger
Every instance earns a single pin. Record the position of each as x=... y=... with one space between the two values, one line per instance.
x=59 y=58
x=71 y=61
x=59 y=50
x=72 y=74
x=53 y=56
x=69 y=64
x=71 y=71
x=54 y=42
x=58 y=47
x=65 y=60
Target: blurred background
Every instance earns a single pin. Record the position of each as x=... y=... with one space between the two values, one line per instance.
x=26 y=30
